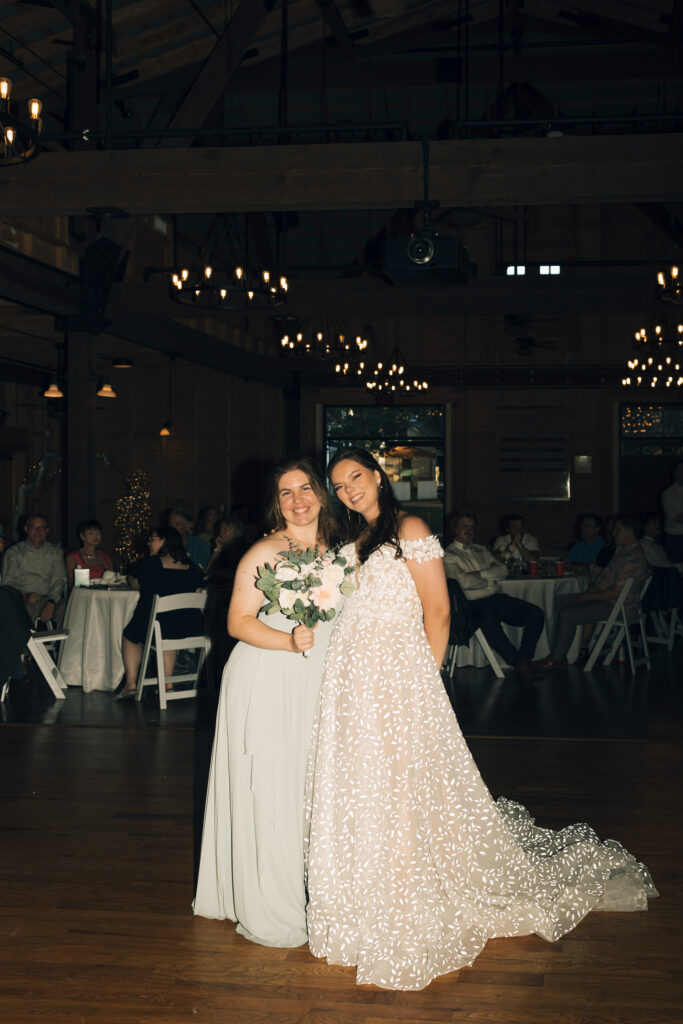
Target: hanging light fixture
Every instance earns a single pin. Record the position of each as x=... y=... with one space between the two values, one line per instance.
x=104 y=389
x=19 y=135
x=218 y=287
x=121 y=363
x=393 y=376
x=53 y=390
x=321 y=338
x=166 y=427
x=658 y=359
x=669 y=285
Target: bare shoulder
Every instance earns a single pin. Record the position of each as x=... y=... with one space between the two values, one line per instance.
x=264 y=550
x=412 y=528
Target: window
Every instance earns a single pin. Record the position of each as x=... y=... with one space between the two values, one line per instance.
x=407 y=440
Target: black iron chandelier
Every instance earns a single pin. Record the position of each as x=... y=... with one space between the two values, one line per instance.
x=236 y=288
x=19 y=136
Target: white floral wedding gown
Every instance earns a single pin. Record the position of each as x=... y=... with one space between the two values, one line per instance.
x=411 y=864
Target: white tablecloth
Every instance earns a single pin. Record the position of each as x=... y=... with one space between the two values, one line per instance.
x=542 y=592
x=91 y=654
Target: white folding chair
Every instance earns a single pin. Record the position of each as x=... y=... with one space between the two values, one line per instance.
x=39 y=645
x=452 y=653
x=665 y=632
x=156 y=642
x=619 y=626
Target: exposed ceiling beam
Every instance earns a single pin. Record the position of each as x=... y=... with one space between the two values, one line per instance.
x=570 y=295
x=188 y=343
x=210 y=83
x=36 y=285
x=336 y=25
x=349 y=176
x=663 y=218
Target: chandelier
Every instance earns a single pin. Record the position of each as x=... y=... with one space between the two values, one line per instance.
x=319 y=338
x=236 y=288
x=669 y=286
x=352 y=352
x=658 y=360
x=19 y=136
x=392 y=376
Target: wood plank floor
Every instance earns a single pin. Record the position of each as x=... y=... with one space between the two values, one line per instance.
x=100 y=822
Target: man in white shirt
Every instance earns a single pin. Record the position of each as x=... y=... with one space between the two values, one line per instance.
x=478 y=573
x=672 y=504
x=516 y=544
x=36 y=568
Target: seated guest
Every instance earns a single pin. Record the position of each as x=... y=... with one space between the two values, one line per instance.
x=604 y=555
x=229 y=545
x=672 y=505
x=36 y=568
x=88 y=556
x=478 y=573
x=168 y=570
x=584 y=551
x=596 y=604
x=205 y=523
x=515 y=543
x=198 y=549
x=651 y=543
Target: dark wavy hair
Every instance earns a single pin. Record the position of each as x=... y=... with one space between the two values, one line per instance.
x=384 y=530
x=173 y=544
x=328 y=528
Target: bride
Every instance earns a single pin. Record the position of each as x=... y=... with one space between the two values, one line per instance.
x=251 y=865
x=411 y=864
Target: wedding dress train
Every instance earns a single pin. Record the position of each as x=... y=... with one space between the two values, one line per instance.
x=411 y=864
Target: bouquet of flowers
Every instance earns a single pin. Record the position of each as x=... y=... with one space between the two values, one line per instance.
x=305 y=584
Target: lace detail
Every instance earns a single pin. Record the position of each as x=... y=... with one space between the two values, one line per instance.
x=422 y=549
x=412 y=866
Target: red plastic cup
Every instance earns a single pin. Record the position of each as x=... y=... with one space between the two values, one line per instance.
x=559 y=568
x=533 y=568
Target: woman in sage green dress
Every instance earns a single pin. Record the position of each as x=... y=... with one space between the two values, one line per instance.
x=251 y=866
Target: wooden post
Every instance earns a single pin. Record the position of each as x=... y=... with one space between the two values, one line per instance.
x=79 y=442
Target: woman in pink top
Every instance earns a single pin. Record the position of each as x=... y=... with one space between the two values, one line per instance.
x=89 y=555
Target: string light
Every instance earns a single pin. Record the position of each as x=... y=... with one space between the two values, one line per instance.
x=132 y=518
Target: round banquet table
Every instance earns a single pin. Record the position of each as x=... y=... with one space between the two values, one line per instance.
x=95 y=618
x=541 y=591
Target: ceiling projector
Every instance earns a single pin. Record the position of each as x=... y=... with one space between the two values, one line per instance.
x=427 y=258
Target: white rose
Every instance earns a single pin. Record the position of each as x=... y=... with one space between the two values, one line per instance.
x=332 y=576
x=286 y=573
x=286 y=599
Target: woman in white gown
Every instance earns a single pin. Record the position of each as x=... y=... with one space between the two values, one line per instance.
x=251 y=865
x=411 y=864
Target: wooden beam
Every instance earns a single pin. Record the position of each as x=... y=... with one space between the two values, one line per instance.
x=80 y=492
x=36 y=285
x=189 y=343
x=210 y=83
x=571 y=294
x=350 y=176
x=664 y=219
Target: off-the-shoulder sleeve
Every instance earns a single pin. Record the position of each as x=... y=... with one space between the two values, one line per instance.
x=422 y=549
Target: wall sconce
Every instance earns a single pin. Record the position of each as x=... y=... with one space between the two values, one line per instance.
x=583 y=463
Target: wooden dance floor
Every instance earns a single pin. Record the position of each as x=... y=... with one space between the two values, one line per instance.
x=101 y=816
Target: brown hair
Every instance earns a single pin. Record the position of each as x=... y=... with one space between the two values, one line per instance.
x=328 y=529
